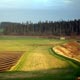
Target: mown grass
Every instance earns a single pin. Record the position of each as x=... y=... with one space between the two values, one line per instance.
x=31 y=46
x=25 y=43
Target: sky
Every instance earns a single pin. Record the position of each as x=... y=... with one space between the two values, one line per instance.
x=58 y=9
x=39 y=4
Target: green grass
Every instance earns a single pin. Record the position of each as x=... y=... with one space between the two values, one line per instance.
x=23 y=59
x=58 y=74
x=62 y=70
x=74 y=63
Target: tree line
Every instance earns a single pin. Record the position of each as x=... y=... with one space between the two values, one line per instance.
x=47 y=28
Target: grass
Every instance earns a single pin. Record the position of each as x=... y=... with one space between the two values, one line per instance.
x=37 y=62
x=40 y=59
x=74 y=63
x=19 y=66
x=55 y=74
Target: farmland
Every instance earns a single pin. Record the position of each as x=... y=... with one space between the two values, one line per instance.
x=37 y=61
x=71 y=50
x=8 y=59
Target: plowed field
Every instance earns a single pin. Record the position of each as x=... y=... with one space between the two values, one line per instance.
x=9 y=59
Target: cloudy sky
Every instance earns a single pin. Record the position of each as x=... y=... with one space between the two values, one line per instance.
x=59 y=9
x=39 y=4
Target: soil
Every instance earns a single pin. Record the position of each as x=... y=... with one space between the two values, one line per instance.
x=9 y=59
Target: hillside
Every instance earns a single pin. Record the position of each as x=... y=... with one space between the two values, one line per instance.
x=70 y=50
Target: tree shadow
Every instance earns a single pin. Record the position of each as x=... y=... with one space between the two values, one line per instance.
x=50 y=74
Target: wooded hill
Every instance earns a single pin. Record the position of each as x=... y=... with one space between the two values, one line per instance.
x=47 y=28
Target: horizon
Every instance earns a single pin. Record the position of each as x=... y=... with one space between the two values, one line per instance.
x=39 y=21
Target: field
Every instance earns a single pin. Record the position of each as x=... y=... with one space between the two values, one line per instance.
x=70 y=50
x=8 y=59
x=37 y=61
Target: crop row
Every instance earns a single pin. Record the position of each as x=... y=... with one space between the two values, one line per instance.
x=8 y=59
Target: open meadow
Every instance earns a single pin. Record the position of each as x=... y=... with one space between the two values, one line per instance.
x=34 y=60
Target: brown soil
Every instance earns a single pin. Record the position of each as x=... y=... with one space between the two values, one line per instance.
x=9 y=59
x=70 y=49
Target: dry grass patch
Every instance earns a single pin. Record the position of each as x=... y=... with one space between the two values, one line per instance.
x=41 y=59
x=70 y=49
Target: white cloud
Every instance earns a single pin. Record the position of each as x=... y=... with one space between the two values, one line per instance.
x=68 y=1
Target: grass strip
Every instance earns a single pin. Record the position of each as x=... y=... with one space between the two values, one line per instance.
x=21 y=61
x=74 y=63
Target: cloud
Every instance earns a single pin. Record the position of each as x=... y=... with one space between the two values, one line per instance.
x=68 y=1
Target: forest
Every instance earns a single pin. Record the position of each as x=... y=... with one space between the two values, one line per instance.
x=47 y=28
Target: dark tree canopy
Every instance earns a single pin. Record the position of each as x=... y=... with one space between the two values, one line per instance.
x=47 y=28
